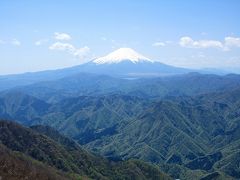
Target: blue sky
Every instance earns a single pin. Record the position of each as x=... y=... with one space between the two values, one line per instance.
x=49 y=34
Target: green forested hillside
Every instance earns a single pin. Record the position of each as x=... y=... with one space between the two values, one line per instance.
x=186 y=136
x=46 y=145
x=15 y=165
x=199 y=133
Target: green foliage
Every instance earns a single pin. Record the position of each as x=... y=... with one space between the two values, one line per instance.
x=16 y=165
x=188 y=125
x=48 y=146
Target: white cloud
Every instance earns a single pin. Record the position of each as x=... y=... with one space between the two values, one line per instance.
x=62 y=46
x=77 y=52
x=232 y=42
x=103 y=38
x=226 y=45
x=62 y=36
x=190 y=43
x=81 y=52
x=15 y=42
x=169 y=42
x=40 y=42
x=159 y=44
x=185 y=41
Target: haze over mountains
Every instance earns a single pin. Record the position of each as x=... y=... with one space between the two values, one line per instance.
x=125 y=106
x=123 y=63
x=120 y=90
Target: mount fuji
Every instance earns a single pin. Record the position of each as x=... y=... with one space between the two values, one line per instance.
x=121 y=55
x=126 y=62
x=123 y=63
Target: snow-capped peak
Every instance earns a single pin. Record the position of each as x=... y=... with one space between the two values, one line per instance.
x=122 y=54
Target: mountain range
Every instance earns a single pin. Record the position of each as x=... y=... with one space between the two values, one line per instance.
x=123 y=63
x=118 y=113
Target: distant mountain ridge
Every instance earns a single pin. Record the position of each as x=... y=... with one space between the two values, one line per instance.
x=124 y=106
x=85 y=84
x=123 y=63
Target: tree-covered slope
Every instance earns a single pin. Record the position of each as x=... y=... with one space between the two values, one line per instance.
x=199 y=133
x=48 y=146
x=149 y=119
x=22 y=107
x=17 y=166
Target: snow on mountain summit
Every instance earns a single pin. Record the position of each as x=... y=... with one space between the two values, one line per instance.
x=122 y=54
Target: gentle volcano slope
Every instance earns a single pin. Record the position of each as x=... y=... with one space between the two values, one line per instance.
x=123 y=62
x=48 y=146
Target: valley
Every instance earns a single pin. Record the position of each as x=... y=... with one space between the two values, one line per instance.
x=119 y=90
x=187 y=129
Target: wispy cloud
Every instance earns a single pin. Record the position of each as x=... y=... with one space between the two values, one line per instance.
x=156 y=44
x=62 y=47
x=62 y=36
x=41 y=42
x=232 y=42
x=15 y=42
x=227 y=44
x=103 y=38
x=77 y=52
x=81 y=52
x=190 y=43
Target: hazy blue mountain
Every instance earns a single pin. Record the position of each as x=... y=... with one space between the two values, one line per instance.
x=123 y=69
x=186 y=123
x=93 y=85
x=125 y=64
x=130 y=69
x=22 y=107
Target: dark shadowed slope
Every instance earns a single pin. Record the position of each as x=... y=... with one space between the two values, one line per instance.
x=64 y=154
x=17 y=166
